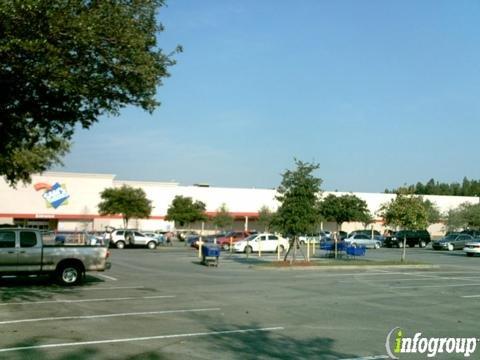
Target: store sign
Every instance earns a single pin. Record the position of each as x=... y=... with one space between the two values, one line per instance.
x=55 y=195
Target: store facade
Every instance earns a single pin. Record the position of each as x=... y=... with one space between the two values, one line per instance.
x=69 y=201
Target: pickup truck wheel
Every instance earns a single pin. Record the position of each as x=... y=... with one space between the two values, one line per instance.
x=281 y=248
x=69 y=274
x=248 y=250
x=400 y=244
x=377 y=245
x=422 y=243
x=120 y=244
x=152 y=245
x=226 y=247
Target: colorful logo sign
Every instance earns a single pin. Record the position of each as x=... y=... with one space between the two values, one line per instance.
x=55 y=195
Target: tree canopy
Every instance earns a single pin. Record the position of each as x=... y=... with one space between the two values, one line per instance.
x=265 y=218
x=432 y=187
x=222 y=218
x=406 y=212
x=466 y=215
x=344 y=208
x=183 y=210
x=63 y=64
x=298 y=196
x=126 y=201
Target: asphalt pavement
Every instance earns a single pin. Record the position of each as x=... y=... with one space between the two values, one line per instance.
x=163 y=304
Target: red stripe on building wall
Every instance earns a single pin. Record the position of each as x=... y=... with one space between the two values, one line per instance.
x=237 y=215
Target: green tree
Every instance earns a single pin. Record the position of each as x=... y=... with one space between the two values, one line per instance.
x=183 y=210
x=64 y=64
x=466 y=215
x=265 y=218
x=456 y=219
x=433 y=214
x=345 y=208
x=407 y=212
x=222 y=219
x=126 y=201
x=298 y=197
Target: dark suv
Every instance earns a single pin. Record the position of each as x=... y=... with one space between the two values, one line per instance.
x=414 y=237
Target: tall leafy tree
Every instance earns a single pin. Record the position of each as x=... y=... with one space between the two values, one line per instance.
x=345 y=208
x=126 y=201
x=223 y=219
x=465 y=215
x=183 y=210
x=63 y=64
x=265 y=217
x=407 y=212
x=298 y=197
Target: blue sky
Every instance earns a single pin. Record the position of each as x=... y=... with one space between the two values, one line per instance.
x=379 y=93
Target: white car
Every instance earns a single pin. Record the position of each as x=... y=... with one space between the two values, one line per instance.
x=121 y=238
x=264 y=242
x=472 y=248
x=363 y=240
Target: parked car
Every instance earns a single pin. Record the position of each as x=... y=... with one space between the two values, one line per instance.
x=234 y=236
x=158 y=236
x=123 y=237
x=363 y=240
x=310 y=237
x=264 y=242
x=453 y=241
x=208 y=239
x=414 y=237
x=23 y=252
x=368 y=232
x=472 y=248
x=475 y=233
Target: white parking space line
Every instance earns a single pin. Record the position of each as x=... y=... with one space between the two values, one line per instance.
x=107 y=277
x=109 y=288
x=431 y=286
x=86 y=300
x=160 y=337
x=375 y=357
x=430 y=278
x=162 y=312
x=471 y=296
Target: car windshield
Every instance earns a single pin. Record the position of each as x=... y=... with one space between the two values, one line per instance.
x=250 y=238
x=450 y=237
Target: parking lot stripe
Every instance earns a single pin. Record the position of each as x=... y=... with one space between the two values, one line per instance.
x=375 y=357
x=471 y=296
x=159 y=337
x=431 y=286
x=86 y=300
x=162 y=312
x=107 y=277
x=110 y=288
x=430 y=278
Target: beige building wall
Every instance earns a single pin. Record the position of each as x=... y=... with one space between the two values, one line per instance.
x=81 y=212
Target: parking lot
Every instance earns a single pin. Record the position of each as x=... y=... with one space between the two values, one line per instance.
x=163 y=304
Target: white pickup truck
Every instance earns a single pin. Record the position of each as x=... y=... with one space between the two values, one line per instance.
x=22 y=252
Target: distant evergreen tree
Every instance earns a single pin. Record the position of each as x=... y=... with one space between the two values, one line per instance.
x=432 y=187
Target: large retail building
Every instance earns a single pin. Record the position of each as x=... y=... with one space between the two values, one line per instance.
x=68 y=201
